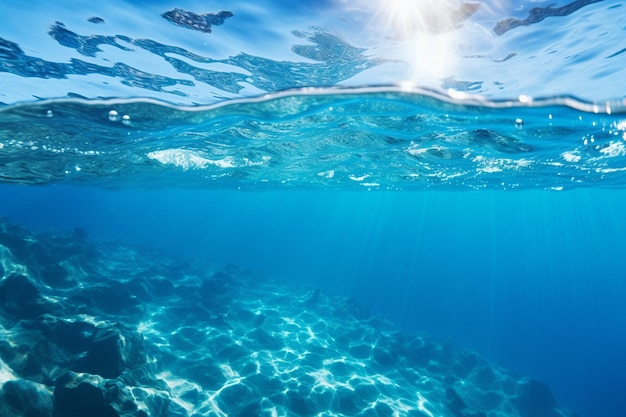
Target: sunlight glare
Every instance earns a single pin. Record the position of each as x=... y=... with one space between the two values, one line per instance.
x=426 y=32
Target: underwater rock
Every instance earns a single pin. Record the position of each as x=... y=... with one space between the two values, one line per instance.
x=76 y=397
x=110 y=298
x=55 y=275
x=454 y=402
x=26 y=399
x=19 y=298
x=82 y=395
x=73 y=336
x=135 y=334
x=110 y=353
x=536 y=400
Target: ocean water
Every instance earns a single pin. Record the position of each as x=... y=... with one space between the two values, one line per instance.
x=317 y=208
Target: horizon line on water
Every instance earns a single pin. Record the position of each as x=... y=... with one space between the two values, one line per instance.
x=449 y=96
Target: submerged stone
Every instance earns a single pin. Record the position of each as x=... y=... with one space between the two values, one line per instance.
x=137 y=337
x=20 y=298
x=536 y=400
x=27 y=399
x=110 y=352
x=77 y=396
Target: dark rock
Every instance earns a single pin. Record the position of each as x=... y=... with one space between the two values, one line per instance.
x=419 y=352
x=386 y=354
x=12 y=236
x=219 y=284
x=56 y=276
x=75 y=336
x=30 y=356
x=536 y=400
x=492 y=400
x=110 y=353
x=111 y=298
x=483 y=376
x=147 y=287
x=84 y=395
x=454 y=402
x=27 y=398
x=466 y=361
x=41 y=349
x=352 y=308
x=20 y=298
x=80 y=396
x=39 y=253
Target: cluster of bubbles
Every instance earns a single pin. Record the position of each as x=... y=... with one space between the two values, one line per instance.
x=114 y=116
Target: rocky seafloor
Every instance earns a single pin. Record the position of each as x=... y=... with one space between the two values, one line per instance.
x=97 y=329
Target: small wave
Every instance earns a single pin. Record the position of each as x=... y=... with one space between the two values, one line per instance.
x=377 y=137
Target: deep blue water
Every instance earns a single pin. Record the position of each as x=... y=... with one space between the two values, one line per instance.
x=458 y=168
x=533 y=279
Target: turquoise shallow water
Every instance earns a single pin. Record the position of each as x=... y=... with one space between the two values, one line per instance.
x=381 y=138
x=456 y=169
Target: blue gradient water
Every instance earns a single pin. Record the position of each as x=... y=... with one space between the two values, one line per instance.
x=427 y=200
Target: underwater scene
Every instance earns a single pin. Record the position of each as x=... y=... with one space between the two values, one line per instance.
x=313 y=208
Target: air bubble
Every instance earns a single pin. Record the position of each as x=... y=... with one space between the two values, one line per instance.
x=49 y=113
x=519 y=123
x=126 y=119
x=114 y=116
